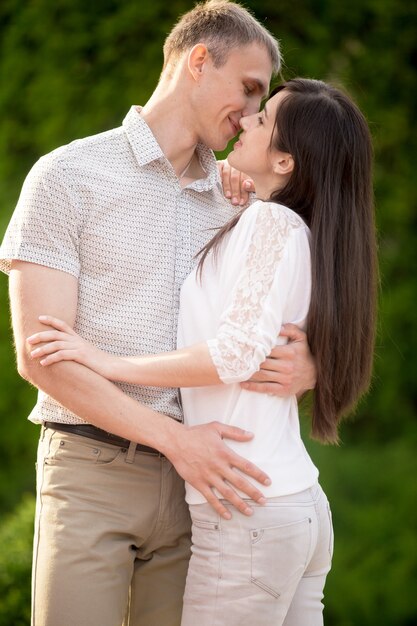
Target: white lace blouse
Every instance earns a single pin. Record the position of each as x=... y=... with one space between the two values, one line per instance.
x=260 y=280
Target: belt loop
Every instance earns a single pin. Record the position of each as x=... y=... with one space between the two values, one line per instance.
x=131 y=452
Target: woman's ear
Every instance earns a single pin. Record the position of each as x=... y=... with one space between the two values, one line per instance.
x=283 y=163
x=197 y=58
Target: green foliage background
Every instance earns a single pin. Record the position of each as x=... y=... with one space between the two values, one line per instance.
x=70 y=68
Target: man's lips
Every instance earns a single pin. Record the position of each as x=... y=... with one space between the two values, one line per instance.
x=235 y=126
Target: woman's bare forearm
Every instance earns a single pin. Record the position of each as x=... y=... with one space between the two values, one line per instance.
x=188 y=367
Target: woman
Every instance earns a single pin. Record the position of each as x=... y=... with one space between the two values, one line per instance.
x=303 y=253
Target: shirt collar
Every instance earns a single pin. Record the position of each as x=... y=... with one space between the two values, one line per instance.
x=141 y=139
x=146 y=149
x=208 y=163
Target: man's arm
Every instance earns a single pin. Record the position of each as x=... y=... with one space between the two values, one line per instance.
x=199 y=454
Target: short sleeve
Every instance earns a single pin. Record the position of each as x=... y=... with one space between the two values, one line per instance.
x=277 y=255
x=43 y=228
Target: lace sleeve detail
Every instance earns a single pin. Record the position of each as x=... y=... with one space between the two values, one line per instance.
x=248 y=328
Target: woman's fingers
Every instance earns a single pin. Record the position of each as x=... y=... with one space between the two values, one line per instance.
x=50 y=348
x=62 y=331
x=56 y=357
x=46 y=335
x=236 y=188
x=236 y=184
x=56 y=323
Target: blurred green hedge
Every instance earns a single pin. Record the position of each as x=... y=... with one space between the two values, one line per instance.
x=16 y=533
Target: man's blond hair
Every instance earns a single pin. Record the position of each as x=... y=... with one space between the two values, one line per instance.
x=221 y=25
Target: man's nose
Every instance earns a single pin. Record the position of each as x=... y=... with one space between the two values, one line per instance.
x=252 y=106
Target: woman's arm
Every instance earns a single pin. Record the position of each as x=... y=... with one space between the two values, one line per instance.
x=189 y=367
x=268 y=259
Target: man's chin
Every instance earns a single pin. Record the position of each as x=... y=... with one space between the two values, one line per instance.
x=221 y=144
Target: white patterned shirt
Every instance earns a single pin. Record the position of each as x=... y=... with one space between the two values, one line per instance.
x=109 y=210
x=260 y=279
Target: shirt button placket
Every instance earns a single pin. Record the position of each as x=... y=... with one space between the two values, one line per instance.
x=183 y=259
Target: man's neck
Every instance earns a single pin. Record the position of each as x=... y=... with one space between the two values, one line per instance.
x=167 y=116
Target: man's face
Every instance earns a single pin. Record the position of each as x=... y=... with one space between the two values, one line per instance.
x=227 y=93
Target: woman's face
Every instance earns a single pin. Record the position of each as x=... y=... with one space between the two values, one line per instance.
x=252 y=153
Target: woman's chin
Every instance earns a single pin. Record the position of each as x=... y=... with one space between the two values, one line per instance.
x=233 y=160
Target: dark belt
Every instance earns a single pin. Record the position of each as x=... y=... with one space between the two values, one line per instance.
x=92 y=432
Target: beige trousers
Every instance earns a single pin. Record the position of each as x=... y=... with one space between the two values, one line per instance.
x=111 y=541
x=265 y=570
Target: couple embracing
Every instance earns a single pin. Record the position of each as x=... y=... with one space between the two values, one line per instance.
x=121 y=296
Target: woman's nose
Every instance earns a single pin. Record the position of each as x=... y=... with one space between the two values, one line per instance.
x=244 y=122
x=248 y=121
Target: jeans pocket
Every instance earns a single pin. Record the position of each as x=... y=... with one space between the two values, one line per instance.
x=205 y=563
x=206 y=541
x=279 y=555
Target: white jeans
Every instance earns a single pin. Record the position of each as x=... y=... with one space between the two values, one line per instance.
x=265 y=570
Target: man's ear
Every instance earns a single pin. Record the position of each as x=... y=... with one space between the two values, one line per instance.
x=197 y=59
x=283 y=163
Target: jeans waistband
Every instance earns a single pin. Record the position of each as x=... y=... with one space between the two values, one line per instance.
x=93 y=432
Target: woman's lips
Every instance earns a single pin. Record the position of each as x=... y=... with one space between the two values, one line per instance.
x=237 y=144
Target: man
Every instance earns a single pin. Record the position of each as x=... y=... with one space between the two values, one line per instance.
x=103 y=236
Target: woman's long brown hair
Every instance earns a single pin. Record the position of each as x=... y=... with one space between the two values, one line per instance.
x=331 y=189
